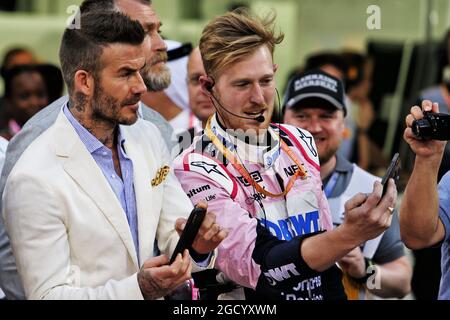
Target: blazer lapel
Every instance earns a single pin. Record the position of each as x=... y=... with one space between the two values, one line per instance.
x=79 y=164
x=148 y=214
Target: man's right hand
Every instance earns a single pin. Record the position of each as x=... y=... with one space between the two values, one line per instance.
x=366 y=217
x=157 y=279
x=430 y=150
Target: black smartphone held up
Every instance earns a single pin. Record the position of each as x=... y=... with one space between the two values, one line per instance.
x=190 y=232
x=392 y=172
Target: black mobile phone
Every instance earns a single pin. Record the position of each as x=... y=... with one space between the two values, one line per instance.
x=392 y=172
x=190 y=231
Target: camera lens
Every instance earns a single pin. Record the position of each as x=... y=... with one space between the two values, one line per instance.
x=434 y=126
x=422 y=129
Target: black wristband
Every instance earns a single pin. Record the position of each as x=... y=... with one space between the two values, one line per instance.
x=197 y=257
x=363 y=280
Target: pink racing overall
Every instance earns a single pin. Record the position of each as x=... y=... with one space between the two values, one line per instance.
x=262 y=250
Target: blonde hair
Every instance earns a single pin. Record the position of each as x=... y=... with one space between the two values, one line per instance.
x=234 y=35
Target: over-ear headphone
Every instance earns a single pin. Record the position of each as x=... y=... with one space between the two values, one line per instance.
x=209 y=84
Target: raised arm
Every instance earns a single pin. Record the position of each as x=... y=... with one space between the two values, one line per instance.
x=420 y=225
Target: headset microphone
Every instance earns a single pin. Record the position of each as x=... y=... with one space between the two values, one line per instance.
x=209 y=87
x=260 y=119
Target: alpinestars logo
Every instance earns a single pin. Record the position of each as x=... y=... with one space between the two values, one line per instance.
x=207 y=167
x=308 y=141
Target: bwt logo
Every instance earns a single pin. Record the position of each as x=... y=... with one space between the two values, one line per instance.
x=302 y=224
x=280 y=274
x=374 y=19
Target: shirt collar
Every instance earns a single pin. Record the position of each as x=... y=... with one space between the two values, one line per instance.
x=342 y=164
x=89 y=140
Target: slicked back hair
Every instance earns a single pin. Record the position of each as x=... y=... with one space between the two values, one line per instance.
x=231 y=37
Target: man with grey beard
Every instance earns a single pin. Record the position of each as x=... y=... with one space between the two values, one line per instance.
x=172 y=103
x=156 y=77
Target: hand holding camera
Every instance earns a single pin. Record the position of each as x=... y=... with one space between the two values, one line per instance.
x=433 y=126
x=426 y=129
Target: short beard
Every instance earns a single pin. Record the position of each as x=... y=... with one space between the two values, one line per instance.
x=324 y=158
x=159 y=79
x=99 y=101
x=106 y=109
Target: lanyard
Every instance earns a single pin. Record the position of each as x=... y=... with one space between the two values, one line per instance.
x=331 y=185
x=241 y=169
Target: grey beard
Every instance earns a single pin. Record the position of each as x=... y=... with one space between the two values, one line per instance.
x=157 y=82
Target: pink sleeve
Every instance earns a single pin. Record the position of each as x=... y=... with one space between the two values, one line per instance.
x=235 y=252
x=324 y=207
x=327 y=223
x=308 y=151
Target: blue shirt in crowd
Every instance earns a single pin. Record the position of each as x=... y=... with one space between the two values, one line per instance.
x=123 y=188
x=444 y=214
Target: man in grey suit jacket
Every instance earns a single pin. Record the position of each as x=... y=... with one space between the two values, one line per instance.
x=156 y=78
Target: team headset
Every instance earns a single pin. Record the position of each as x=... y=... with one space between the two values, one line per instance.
x=209 y=84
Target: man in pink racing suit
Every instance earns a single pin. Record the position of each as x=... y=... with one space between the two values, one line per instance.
x=263 y=181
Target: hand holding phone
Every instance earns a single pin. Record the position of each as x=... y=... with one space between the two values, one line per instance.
x=190 y=231
x=393 y=172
